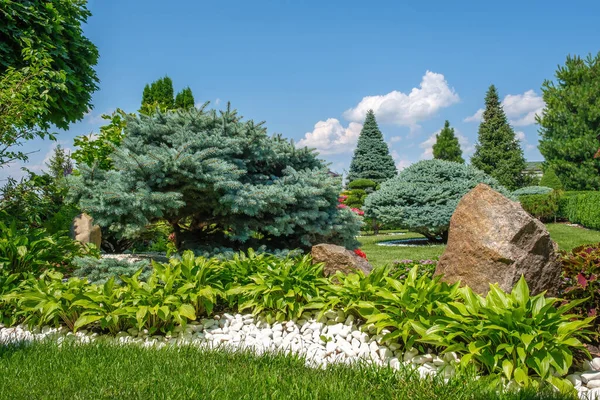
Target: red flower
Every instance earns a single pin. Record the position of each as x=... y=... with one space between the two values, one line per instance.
x=342 y=206
x=582 y=281
x=358 y=211
x=360 y=253
x=172 y=237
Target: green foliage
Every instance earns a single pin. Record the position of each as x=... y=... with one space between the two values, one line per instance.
x=358 y=191
x=403 y=306
x=446 y=146
x=584 y=209
x=565 y=203
x=401 y=268
x=498 y=152
x=219 y=182
x=159 y=95
x=528 y=190
x=99 y=271
x=283 y=290
x=60 y=164
x=581 y=269
x=551 y=180
x=96 y=151
x=25 y=100
x=542 y=206
x=569 y=124
x=364 y=184
x=33 y=249
x=38 y=201
x=52 y=28
x=522 y=337
x=424 y=196
x=184 y=99
x=371 y=159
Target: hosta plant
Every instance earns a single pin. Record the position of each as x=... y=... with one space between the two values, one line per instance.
x=282 y=290
x=520 y=337
x=581 y=273
x=401 y=305
x=401 y=268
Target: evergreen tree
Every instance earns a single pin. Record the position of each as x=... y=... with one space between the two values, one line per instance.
x=498 y=152
x=159 y=94
x=220 y=182
x=60 y=165
x=570 y=124
x=372 y=159
x=446 y=146
x=184 y=99
x=551 y=180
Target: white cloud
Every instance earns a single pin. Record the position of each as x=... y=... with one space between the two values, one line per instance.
x=330 y=137
x=395 y=139
x=465 y=145
x=520 y=109
x=475 y=117
x=520 y=135
x=402 y=164
x=409 y=109
x=96 y=118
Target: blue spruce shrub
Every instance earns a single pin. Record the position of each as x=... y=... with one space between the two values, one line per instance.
x=529 y=190
x=423 y=197
x=219 y=182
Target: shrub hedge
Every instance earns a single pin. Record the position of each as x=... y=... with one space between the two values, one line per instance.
x=578 y=207
x=584 y=209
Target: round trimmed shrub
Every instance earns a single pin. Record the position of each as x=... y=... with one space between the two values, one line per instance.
x=423 y=197
x=528 y=190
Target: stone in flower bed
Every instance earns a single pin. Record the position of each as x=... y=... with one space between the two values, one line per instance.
x=338 y=258
x=493 y=240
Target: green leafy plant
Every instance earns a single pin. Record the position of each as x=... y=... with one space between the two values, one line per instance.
x=581 y=278
x=282 y=289
x=401 y=268
x=402 y=305
x=584 y=209
x=33 y=250
x=541 y=206
x=521 y=337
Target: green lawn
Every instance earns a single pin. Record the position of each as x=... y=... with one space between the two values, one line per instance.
x=102 y=371
x=566 y=236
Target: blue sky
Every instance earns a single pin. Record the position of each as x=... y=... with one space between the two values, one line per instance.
x=311 y=69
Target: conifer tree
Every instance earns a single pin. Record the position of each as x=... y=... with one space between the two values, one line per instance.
x=446 y=146
x=372 y=159
x=498 y=152
x=569 y=124
x=184 y=99
x=159 y=94
x=60 y=165
x=219 y=181
x=551 y=180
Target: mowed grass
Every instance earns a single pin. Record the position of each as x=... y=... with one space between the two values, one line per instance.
x=104 y=371
x=567 y=237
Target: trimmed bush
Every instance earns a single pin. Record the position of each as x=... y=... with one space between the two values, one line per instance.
x=542 y=206
x=527 y=190
x=423 y=197
x=584 y=209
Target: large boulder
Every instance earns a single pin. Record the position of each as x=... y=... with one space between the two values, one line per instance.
x=493 y=240
x=84 y=230
x=338 y=258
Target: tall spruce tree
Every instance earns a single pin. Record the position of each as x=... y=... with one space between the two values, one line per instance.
x=219 y=181
x=372 y=159
x=498 y=152
x=446 y=146
x=184 y=99
x=570 y=123
x=60 y=164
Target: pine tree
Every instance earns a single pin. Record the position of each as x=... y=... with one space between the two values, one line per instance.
x=498 y=152
x=372 y=159
x=220 y=182
x=184 y=99
x=446 y=146
x=60 y=165
x=570 y=124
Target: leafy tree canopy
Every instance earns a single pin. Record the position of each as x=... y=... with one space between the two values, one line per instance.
x=372 y=159
x=446 y=146
x=51 y=28
x=570 y=123
x=218 y=181
x=184 y=99
x=498 y=152
x=423 y=197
